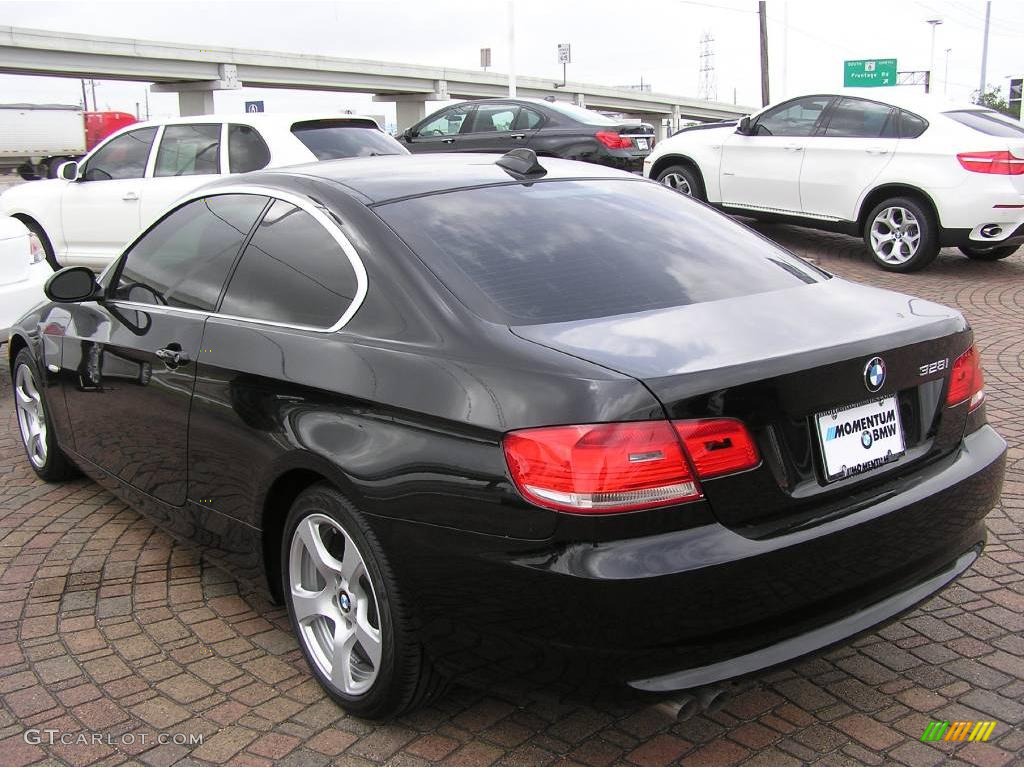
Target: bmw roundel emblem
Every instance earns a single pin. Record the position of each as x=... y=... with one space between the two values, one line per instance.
x=874 y=374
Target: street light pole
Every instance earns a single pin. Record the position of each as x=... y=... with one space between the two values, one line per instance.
x=511 y=49
x=945 y=76
x=931 y=59
x=984 y=52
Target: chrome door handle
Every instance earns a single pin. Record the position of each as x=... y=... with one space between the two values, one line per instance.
x=518 y=136
x=877 y=151
x=129 y=196
x=172 y=357
x=449 y=141
x=795 y=148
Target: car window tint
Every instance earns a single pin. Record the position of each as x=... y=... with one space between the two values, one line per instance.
x=333 y=139
x=567 y=250
x=527 y=119
x=448 y=123
x=247 y=151
x=293 y=271
x=121 y=158
x=184 y=259
x=862 y=119
x=494 y=117
x=988 y=122
x=189 y=150
x=911 y=126
x=794 y=118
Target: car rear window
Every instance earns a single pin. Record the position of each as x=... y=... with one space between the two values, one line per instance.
x=333 y=139
x=557 y=251
x=988 y=122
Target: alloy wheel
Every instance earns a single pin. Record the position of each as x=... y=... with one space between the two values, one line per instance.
x=895 y=235
x=335 y=604
x=678 y=182
x=31 y=415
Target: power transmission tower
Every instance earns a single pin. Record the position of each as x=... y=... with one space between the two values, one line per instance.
x=708 y=87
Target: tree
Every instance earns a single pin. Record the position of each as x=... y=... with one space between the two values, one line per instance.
x=993 y=98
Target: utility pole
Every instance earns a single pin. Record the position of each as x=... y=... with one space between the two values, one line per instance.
x=763 y=14
x=708 y=90
x=85 y=100
x=984 y=52
x=945 y=77
x=93 y=84
x=931 y=58
x=511 y=49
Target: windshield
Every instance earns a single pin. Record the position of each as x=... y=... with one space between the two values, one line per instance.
x=555 y=251
x=333 y=139
x=989 y=122
x=579 y=113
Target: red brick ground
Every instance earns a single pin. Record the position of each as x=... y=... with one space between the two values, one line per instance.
x=107 y=625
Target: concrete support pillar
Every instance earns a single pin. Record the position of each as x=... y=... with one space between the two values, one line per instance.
x=579 y=100
x=410 y=108
x=408 y=113
x=195 y=103
x=676 y=119
x=658 y=121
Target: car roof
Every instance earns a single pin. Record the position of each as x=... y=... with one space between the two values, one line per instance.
x=257 y=119
x=914 y=101
x=389 y=177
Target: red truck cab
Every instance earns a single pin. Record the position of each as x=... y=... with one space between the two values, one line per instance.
x=99 y=125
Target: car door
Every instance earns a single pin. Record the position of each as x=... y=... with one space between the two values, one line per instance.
x=188 y=155
x=492 y=130
x=846 y=156
x=128 y=361
x=100 y=210
x=762 y=170
x=440 y=132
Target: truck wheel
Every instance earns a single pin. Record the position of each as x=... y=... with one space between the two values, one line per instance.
x=44 y=241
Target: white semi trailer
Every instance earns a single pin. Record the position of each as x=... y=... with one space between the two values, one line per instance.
x=36 y=138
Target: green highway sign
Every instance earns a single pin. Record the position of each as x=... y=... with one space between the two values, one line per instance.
x=869 y=73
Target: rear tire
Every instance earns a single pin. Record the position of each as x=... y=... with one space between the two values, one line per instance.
x=347 y=612
x=901 y=235
x=34 y=423
x=991 y=253
x=683 y=179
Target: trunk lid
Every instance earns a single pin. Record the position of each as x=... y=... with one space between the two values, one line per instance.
x=776 y=361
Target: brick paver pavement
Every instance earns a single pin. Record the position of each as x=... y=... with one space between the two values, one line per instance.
x=108 y=626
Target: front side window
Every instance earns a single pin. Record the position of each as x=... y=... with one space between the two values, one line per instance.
x=558 y=251
x=189 y=150
x=794 y=118
x=293 y=271
x=247 y=151
x=448 y=123
x=121 y=158
x=333 y=139
x=184 y=259
x=861 y=119
x=490 y=118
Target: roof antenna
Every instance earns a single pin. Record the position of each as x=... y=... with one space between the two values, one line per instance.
x=521 y=162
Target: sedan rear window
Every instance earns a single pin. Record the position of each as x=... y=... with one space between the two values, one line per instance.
x=333 y=139
x=557 y=251
x=989 y=122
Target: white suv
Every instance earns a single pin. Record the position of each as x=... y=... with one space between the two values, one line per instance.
x=909 y=174
x=86 y=216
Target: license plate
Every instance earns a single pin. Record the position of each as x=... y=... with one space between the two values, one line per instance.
x=861 y=437
x=641 y=143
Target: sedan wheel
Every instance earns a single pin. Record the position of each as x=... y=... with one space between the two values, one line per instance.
x=335 y=606
x=46 y=458
x=346 y=609
x=901 y=236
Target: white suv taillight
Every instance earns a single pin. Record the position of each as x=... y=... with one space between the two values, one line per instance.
x=1000 y=162
x=36 y=251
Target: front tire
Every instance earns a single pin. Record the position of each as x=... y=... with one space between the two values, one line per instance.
x=683 y=179
x=346 y=610
x=34 y=423
x=990 y=253
x=901 y=235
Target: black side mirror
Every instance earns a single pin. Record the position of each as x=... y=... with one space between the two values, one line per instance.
x=408 y=134
x=72 y=284
x=743 y=126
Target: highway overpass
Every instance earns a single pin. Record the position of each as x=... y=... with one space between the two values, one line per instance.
x=195 y=73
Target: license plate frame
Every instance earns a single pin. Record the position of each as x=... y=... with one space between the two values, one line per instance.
x=858 y=438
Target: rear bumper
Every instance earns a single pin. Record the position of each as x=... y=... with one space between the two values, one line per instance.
x=1012 y=234
x=693 y=606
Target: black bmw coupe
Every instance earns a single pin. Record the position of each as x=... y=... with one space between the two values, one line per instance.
x=468 y=411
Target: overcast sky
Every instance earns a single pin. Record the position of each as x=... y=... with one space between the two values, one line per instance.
x=613 y=43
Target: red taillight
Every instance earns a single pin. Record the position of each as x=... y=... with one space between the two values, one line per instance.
x=1001 y=162
x=967 y=382
x=604 y=468
x=613 y=140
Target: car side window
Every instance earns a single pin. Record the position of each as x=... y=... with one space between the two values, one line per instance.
x=293 y=271
x=527 y=120
x=184 y=259
x=189 y=150
x=794 y=118
x=861 y=119
x=122 y=158
x=490 y=118
x=911 y=126
x=448 y=123
x=247 y=151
